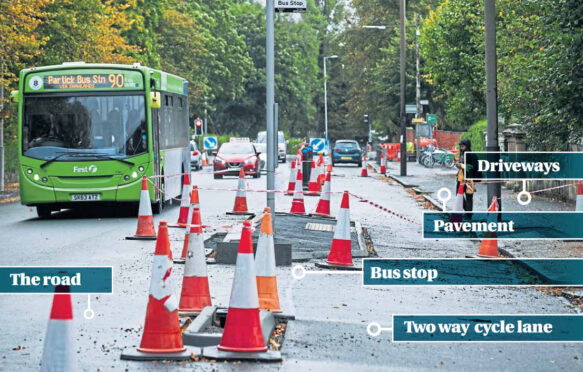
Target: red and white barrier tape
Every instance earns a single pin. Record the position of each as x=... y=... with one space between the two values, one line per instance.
x=384 y=209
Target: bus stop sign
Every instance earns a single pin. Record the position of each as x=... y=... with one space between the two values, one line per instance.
x=210 y=143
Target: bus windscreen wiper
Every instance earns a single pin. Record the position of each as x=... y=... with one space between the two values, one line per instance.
x=59 y=156
x=86 y=154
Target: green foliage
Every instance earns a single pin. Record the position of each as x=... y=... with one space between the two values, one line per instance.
x=475 y=134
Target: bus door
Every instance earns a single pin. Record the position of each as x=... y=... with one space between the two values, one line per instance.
x=156 y=148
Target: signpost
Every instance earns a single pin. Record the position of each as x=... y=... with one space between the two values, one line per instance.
x=210 y=143
x=318 y=145
x=290 y=6
x=411 y=109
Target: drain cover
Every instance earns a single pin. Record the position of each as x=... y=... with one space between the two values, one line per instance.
x=323 y=227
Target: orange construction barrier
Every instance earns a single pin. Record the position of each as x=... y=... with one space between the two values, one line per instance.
x=265 y=266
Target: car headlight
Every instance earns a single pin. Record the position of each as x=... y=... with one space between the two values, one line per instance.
x=250 y=161
x=219 y=160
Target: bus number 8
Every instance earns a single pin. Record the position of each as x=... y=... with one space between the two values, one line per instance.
x=117 y=81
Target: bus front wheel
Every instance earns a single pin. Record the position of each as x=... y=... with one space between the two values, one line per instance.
x=43 y=211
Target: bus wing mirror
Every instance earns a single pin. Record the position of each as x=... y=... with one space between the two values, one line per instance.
x=155 y=100
x=14 y=96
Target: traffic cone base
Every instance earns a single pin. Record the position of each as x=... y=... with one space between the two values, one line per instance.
x=244 y=329
x=267 y=292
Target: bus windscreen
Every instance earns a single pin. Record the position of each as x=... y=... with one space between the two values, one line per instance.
x=107 y=125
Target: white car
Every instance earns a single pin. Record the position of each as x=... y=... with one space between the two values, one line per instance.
x=281 y=144
x=195 y=156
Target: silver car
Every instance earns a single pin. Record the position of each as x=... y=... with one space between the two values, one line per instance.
x=195 y=157
x=281 y=144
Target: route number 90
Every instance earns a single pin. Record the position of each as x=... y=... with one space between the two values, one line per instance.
x=116 y=80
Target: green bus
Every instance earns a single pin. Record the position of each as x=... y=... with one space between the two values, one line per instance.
x=89 y=132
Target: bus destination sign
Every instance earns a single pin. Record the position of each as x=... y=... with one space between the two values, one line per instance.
x=84 y=81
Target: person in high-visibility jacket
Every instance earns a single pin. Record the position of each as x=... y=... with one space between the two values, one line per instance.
x=469 y=163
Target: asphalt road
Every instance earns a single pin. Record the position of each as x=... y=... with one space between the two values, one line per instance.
x=332 y=311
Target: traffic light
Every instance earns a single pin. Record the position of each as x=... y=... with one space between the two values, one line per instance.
x=198 y=127
x=365 y=118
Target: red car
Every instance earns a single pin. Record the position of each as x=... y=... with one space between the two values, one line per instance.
x=232 y=156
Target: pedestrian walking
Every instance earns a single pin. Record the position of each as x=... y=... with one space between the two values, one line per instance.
x=469 y=164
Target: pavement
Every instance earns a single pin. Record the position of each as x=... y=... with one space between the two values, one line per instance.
x=331 y=310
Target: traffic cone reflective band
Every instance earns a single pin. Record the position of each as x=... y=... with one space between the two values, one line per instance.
x=162 y=328
x=265 y=266
x=241 y=198
x=323 y=207
x=292 y=178
x=314 y=186
x=195 y=285
x=364 y=172
x=340 y=251
x=242 y=328
x=184 y=202
x=579 y=200
x=489 y=246
x=297 y=206
x=194 y=203
x=383 y=164
x=146 y=228
x=59 y=349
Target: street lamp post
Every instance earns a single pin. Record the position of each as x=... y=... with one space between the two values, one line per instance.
x=326 y=97
x=403 y=61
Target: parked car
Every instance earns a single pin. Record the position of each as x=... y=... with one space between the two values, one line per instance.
x=281 y=144
x=195 y=156
x=347 y=151
x=233 y=156
x=261 y=147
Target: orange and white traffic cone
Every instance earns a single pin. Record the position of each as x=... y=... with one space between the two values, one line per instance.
x=242 y=328
x=195 y=284
x=146 y=229
x=59 y=349
x=292 y=178
x=162 y=338
x=364 y=171
x=265 y=266
x=458 y=205
x=579 y=200
x=321 y=172
x=399 y=157
x=184 y=202
x=204 y=159
x=313 y=186
x=341 y=251
x=297 y=206
x=323 y=207
x=383 y=164
x=194 y=203
x=489 y=246
x=241 y=198
x=329 y=169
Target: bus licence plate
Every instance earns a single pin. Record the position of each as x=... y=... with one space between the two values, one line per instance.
x=86 y=197
x=346 y=158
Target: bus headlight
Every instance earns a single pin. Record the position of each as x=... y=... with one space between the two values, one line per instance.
x=29 y=171
x=134 y=175
x=36 y=177
x=126 y=177
x=141 y=168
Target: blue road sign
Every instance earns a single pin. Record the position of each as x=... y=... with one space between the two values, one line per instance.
x=210 y=143
x=318 y=144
